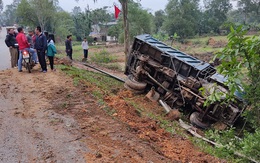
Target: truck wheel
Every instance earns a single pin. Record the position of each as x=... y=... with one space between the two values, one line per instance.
x=195 y=120
x=132 y=83
x=133 y=90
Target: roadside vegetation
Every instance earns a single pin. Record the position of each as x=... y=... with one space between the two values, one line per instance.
x=201 y=30
x=104 y=88
x=242 y=140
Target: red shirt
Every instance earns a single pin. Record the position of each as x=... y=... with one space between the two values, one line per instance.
x=22 y=41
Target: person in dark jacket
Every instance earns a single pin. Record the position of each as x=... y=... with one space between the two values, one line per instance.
x=11 y=43
x=41 y=46
x=68 y=45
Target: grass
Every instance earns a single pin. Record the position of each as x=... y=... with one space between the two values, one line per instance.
x=97 y=54
x=102 y=86
x=103 y=82
x=204 y=40
x=77 y=52
x=105 y=86
x=102 y=57
x=198 y=45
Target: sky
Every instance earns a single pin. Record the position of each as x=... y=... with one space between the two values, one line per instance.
x=68 y=5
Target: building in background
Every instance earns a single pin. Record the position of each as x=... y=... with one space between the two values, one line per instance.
x=100 y=32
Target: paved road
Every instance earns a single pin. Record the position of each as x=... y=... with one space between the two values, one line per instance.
x=5 y=62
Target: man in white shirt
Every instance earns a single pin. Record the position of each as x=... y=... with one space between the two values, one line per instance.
x=85 y=48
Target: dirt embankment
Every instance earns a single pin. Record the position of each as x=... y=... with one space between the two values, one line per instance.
x=45 y=118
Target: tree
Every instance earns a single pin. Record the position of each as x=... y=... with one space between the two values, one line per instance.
x=114 y=31
x=9 y=15
x=63 y=25
x=139 y=19
x=82 y=23
x=76 y=10
x=26 y=14
x=40 y=12
x=250 y=8
x=100 y=15
x=124 y=4
x=159 y=17
x=215 y=15
x=44 y=11
x=241 y=64
x=1 y=6
x=182 y=17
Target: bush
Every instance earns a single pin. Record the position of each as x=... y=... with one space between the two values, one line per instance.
x=102 y=57
x=251 y=145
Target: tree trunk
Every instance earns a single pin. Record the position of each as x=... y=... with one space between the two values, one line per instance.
x=124 y=4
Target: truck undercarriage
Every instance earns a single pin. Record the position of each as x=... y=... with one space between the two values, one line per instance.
x=175 y=79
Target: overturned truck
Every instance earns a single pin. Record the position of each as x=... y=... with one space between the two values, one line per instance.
x=175 y=79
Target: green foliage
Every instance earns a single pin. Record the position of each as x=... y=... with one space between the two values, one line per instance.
x=250 y=145
x=90 y=39
x=250 y=10
x=214 y=15
x=182 y=18
x=62 y=25
x=9 y=16
x=100 y=15
x=114 y=66
x=114 y=31
x=34 y=13
x=102 y=57
x=26 y=14
x=241 y=64
x=161 y=37
x=44 y=10
x=140 y=21
x=159 y=17
x=101 y=81
x=230 y=145
x=82 y=23
x=227 y=141
x=1 y=6
x=214 y=94
x=83 y=20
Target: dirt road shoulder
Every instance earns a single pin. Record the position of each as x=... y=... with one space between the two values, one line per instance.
x=46 y=118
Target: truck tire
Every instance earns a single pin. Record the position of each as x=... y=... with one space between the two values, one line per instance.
x=132 y=83
x=195 y=120
x=133 y=90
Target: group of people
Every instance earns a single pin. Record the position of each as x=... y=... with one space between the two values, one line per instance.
x=39 y=44
x=36 y=43
x=69 y=50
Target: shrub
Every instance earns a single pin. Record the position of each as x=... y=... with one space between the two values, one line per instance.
x=102 y=57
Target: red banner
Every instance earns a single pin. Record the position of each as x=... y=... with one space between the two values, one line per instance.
x=117 y=11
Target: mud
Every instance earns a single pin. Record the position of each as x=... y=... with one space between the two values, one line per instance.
x=28 y=133
x=174 y=147
x=45 y=118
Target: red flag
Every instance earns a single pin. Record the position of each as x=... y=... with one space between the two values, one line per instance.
x=117 y=11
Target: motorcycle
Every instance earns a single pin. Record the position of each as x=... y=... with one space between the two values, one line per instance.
x=28 y=63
